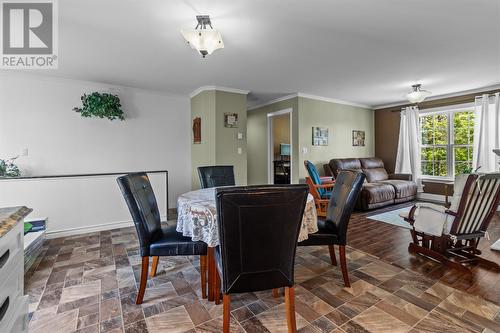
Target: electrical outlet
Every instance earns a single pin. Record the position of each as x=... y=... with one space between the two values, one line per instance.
x=23 y=152
x=240 y=136
x=240 y=151
x=304 y=150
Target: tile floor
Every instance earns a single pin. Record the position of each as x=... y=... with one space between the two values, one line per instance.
x=88 y=284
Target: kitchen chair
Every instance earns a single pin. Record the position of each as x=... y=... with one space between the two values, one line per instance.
x=217 y=175
x=333 y=230
x=258 y=231
x=155 y=240
x=319 y=187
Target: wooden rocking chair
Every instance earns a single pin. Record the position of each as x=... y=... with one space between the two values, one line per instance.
x=319 y=187
x=477 y=206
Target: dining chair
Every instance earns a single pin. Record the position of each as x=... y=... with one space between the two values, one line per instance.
x=258 y=231
x=217 y=175
x=319 y=187
x=154 y=240
x=333 y=230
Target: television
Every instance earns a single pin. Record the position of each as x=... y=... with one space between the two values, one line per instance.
x=284 y=149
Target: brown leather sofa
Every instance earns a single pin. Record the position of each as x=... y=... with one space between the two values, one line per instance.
x=380 y=189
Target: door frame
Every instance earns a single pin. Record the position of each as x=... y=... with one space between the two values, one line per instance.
x=270 y=147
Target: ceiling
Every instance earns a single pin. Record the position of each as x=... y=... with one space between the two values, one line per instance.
x=363 y=51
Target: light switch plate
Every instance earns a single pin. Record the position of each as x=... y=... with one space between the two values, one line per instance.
x=240 y=136
x=240 y=151
x=304 y=150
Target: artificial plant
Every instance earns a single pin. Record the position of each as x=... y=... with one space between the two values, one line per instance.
x=8 y=168
x=100 y=105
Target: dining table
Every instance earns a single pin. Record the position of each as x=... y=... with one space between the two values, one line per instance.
x=197 y=219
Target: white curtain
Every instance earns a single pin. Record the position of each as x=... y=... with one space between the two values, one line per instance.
x=408 y=157
x=486 y=133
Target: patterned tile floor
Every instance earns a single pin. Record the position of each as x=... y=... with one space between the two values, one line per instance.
x=88 y=284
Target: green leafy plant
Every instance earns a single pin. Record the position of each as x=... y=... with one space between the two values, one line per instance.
x=8 y=168
x=101 y=105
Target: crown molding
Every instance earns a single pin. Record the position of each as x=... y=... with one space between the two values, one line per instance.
x=455 y=94
x=309 y=96
x=276 y=100
x=226 y=89
x=334 y=100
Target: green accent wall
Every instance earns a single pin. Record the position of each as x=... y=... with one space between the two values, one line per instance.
x=307 y=113
x=219 y=144
x=340 y=119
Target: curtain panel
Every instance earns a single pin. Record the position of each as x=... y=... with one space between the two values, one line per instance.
x=486 y=133
x=408 y=158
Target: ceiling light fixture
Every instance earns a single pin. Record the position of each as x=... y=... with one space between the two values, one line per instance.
x=418 y=94
x=203 y=40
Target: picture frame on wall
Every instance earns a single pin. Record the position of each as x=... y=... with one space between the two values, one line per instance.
x=231 y=120
x=197 y=130
x=358 y=138
x=320 y=136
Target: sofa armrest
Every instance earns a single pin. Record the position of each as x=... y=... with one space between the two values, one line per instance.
x=401 y=176
x=328 y=170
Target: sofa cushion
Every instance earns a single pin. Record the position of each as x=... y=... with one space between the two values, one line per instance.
x=374 y=169
x=371 y=163
x=376 y=175
x=344 y=164
x=377 y=192
x=403 y=188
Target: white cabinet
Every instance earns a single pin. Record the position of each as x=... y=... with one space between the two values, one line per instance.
x=13 y=303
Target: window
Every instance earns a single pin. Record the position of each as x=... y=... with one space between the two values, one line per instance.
x=447 y=142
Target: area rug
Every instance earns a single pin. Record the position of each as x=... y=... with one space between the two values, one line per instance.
x=495 y=246
x=392 y=217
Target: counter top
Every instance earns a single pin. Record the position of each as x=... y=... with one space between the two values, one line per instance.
x=10 y=216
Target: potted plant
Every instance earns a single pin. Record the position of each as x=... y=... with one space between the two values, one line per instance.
x=100 y=105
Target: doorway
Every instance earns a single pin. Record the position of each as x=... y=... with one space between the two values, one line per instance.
x=279 y=139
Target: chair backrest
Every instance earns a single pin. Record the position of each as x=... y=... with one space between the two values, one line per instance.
x=314 y=175
x=258 y=231
x=344 y=195
x=478 y=204
x=219 y=175
x=141 y=202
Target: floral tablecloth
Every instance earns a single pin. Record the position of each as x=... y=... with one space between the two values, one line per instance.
x=197 y=217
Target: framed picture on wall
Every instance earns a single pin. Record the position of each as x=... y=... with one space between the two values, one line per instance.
x=231 y=120
x=320 y=136
x=358 y=138
x=197 y=130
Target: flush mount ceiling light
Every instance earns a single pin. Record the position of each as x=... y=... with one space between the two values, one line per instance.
x=203 y=40
x=417 y=95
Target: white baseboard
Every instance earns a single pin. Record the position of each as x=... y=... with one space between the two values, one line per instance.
x=88 y=229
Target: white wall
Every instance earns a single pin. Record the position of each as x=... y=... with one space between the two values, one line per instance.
x=36 y=113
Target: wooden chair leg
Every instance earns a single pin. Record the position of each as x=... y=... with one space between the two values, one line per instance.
x=211 y=273
x=144 y=280
x=217 y=288
x=343 y=265
x=154 y=266
x=276 y=292
x=290 y=309
x=331 y=248
x=203 y=273
x=226 y=313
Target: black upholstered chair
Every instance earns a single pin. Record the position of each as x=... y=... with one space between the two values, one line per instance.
x=155 y=240
x=258 y=231
x=333 y=230
x=218 y=175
